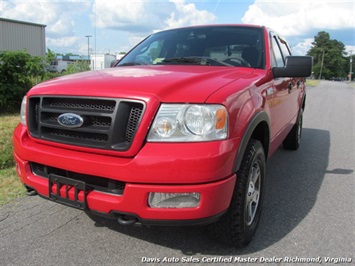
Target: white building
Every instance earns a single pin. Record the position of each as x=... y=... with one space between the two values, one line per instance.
x=101 y=61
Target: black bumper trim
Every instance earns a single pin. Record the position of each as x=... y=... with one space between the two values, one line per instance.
x=135 y=220
x=138 y=221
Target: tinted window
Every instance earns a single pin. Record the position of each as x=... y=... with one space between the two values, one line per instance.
x=217 y=45
x=284 y=48
x=280 y=51
x=278 y=60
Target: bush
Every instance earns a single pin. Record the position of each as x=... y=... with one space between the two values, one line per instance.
x=51 y=75
x=78 y=66
x=11 y=97
x=17 y=70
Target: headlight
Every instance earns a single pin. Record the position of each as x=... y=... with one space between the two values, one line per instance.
x=23 y=111
x=189 y=122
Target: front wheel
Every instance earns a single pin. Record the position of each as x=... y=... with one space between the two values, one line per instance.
x=238 y=225
x=293 y=139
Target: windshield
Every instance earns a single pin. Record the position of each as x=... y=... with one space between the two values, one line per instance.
x=231 y=46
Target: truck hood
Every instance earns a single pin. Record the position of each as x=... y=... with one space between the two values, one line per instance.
x=165 y=83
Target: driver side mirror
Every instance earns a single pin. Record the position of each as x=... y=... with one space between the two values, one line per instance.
x=295 y=66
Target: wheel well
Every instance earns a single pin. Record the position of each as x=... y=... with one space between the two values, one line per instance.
x=304 y=103
x=261 y=133
x=258 y=129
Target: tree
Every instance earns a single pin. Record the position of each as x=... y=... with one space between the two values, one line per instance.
x=328 y=55
x=18 y=69
x=50 y=56
x=36 y=67
x=70 y=54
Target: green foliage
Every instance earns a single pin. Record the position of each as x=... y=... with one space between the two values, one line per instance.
x=36 y=67
x=78 y=66
x=7 y=126
x=328 y=55
x=70 y=54
x=14 y=76
x=50 y=56
x=51 y=75
x=18 y=69
x=10 y=184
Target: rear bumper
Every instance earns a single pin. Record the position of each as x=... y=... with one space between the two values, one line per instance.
x=188 y=171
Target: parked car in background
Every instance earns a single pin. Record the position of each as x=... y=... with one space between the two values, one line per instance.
x=59 y=65
x=337 y=79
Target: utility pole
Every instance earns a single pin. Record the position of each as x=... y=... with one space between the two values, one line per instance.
x=89 y=61
x=88 y=36
x=321 y=67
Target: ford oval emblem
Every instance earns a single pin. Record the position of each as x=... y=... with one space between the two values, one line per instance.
x=70 y=120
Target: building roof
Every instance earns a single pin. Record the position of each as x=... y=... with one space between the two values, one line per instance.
x=22 y=22
x=72 y=57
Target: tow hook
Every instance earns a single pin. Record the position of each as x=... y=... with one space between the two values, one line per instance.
x=30 y=191
x=127 y=220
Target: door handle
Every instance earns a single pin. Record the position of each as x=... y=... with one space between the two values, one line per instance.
x=289 y=87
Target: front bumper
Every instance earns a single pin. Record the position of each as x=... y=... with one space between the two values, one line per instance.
x=170 y=168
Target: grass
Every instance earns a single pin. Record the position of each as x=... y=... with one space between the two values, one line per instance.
x=10 y=185
x=312 y=82
x=7 y=126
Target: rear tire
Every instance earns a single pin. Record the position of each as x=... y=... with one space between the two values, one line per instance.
x=238 y=225
x=293 y=139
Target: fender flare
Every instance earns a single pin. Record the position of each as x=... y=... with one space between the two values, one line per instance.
x=254 y=122
x=303 y=103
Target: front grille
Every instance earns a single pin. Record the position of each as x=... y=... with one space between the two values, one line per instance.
x=109 y=124
x=80 y=104
x=92 y=182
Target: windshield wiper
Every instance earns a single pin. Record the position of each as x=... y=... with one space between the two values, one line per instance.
x=130 y=64
x=196 y=60
x=186 y=60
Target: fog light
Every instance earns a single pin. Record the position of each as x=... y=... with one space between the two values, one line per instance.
x=174 y=200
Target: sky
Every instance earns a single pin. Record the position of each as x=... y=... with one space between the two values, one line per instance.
x=118 y=25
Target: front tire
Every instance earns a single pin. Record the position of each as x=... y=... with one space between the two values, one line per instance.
x=293 y=139
x=238 y=225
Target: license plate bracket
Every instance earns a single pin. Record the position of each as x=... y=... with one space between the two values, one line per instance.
x=70 y=186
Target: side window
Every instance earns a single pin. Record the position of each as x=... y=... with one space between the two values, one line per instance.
x=280 y=51
x=284 y=48
x=278 y=60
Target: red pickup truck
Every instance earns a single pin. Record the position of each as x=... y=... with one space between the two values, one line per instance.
x=176 y=133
